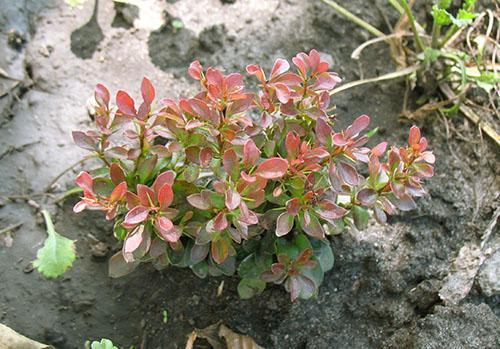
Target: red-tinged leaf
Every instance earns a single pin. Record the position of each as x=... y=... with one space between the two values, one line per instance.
x=367 y=196
x=300 y=286
x=292 y=145
x=85 y=181
x=118 y=267
x=111 y=213
x=311 y=225
x=404 y=202
x=357 y=126
x=206 y=155
x=116 y=173
x=324 y=81
x=230 y=162
x=323 y=131
x=424 y=170
x=348 y=173
x=280 y=66
x=143 y=111
x=293 y=206
x=379 y=149
x=254 y=69
x=428 y=157
x=199 y=202
x=247 y=178
x=125 y=103
x=328 y=210
x=132 y=243
x=220 y=221
x=195 y=70
x=284 y=224
x=132 y=200
x=397 y=188
x=199 y=252
x=166 y=177
x=79 y=206
x=136 y=215
x=219 y=250
x=282 y=92
x=83 y=141
x=272 y=168
x=165 y=196
x=250 y=153
x=146 y=195
x=339 y=140
x=232 y=199
x=148 y=91
x=101 y=95
x=414 y=137
x=166 y=229
x=118 y=192
x=247 y=216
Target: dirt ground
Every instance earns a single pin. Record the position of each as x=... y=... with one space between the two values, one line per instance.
x=383 y=290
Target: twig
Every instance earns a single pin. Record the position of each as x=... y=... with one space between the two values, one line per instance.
x=389 y=76
x=353 y=18
x=471 y=115
x=355 y=54
x=10 y=228
x=409 y=14
x=490 y=228
x=49 y=186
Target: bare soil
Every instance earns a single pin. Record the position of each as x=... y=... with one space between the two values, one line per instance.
x=383 y=290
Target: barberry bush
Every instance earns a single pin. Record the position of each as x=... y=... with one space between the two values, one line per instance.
x=232 y=181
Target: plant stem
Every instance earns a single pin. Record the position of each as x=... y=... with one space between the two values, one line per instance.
x=10 y=227
x=397 y=6
x=353 y=18
x=389 y=76
x=449 y=33
x=436 y=32
x=56 y=178
x=409 y=14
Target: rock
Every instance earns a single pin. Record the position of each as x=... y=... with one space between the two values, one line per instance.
x=213 y=38
x=468 y=326
x=425 y=294
x=125 y=16
x=488 y=277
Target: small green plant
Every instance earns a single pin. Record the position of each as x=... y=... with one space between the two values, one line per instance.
x=237 y=181
x=102 y=344
x=451 y=55
x=57 y=253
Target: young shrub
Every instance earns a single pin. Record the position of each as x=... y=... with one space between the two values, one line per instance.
x=237 y=181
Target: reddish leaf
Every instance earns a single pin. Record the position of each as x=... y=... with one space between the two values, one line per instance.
x=79 y=206
x=404 y=202
x=195 y=70
x=119 y=267
x=250 y=153
x=247 y=216
x=282 y=92
x=280 y=66
x=293 y=206
x=146 y=195
x=284 y=224
x=116 y=173
x=311 y=225
x=118 y=192
x=83 y=141
x=125 y=103
x=165 y=196
x=136 y=215
x=323 y=131
x=166 y=177
x=414 y=137
x=85 y=181
x=357 y=126
x=348 y=173
x=220 y=221
x=206 y=155
x=132 y=200
x=379 y=149
x=292 y=145
x=424 y=170
x=199 y=202
x=166 y=229
x=220 y=250
x=328 y=210
x=132 y=243
x=232 y=199
x=148 y=91
x=272 y=168
x=101 y=95
x=367 y=196
x=230 y=162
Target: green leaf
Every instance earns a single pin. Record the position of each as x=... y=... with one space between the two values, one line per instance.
x=464 y=18
x=74 y=3
x=444 y=4
x=247 y=288
x=431 y=55
x=441 y=16
x=103 y=344
x=323 y=252
x=360 y=216
x=57 y=253
x=177 y=24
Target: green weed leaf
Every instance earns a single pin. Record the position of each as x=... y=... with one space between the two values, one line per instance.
x=57 y=253
x=441 y=16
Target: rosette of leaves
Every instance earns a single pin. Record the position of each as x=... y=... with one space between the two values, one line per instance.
x=237 y=181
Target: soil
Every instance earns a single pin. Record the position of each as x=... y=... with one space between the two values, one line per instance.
x=383 y=290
